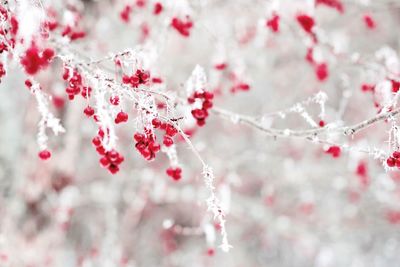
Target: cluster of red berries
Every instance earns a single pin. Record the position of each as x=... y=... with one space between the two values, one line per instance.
x=174 y=173
x=146 y=145
x=182 y=26
x=140 y=77
x=75 y=84
x=394 y=160
x=110 y=159
x=73 y=34
x=200 y=114
x=34 y=60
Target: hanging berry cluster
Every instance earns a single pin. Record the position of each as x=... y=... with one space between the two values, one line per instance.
x=109 y=159
x=138 y=78
x=394 y=160
x=75 y=84
x=146 y=143
x=34 y=60
x=205 y=98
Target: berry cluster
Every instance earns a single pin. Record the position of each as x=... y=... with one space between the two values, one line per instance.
x=72 y=33
x=34 y=60
x=182 y=26
x=140 y=77
x=146 y=145
x=110 y=159
x=174 y=173
x=75 y=85
x=394 y=160
x=200 y=114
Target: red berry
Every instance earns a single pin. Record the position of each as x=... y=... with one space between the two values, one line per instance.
x=170 y=130
x=156 y=123
x=306 y=22
x=396 y=154
x=138 y=137
x=334 y=151
x=154 y=147
x=391 y=162
x=157 y=8
x=168 y=141
x=44 y=154
x=89 y=111
x=121 y=117
x=114 y=100
x=96 y=141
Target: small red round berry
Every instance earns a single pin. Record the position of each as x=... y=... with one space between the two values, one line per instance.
x=96 y=141
x=396 y=154
x=114 y=100
x=138 y=137
x=168 y=141
x=44 y=154
x=156 y=123
x=391 y=162
x=321 y=123
x=154 y=147
x=121 y=117
x=170 y=130
x=89 y=111
x=104 y=162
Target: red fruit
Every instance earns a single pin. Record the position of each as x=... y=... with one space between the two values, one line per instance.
x=336 y=4
x=334 y=151
x=157 y=8
x=96 y=141
x=391 y=162
x=273 y=23
x=170 y=130
x=44 y=154
x=156 y=123
x=121 y=117
x=113 y=168
x=321 y=123
x=168 y=141
x=89 y=111
x=104 y=162
x=154 y=147
x=321 y=71
x=114 y=100
x=138 y=137
x=306 y=22
x=369 y=21
x=396 y=154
